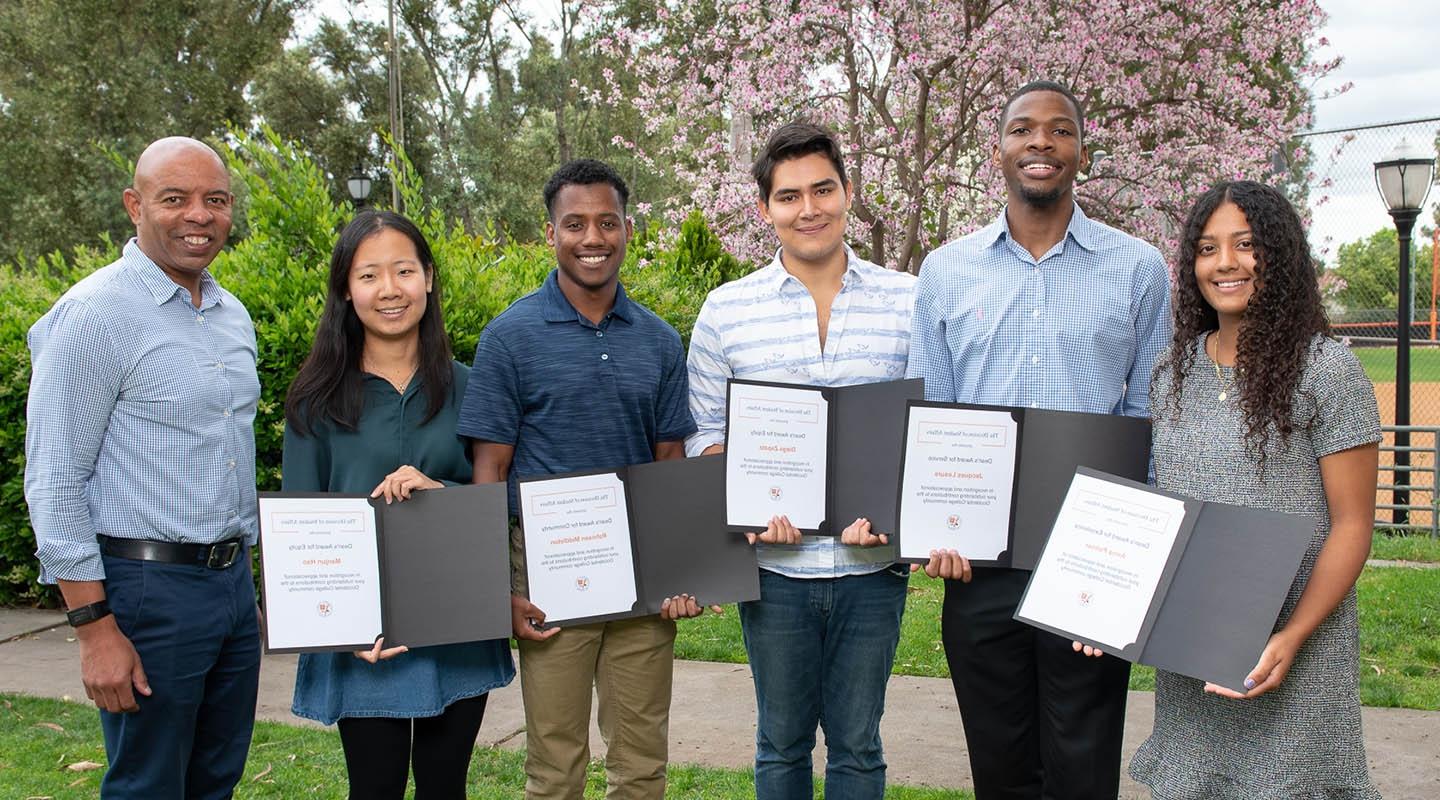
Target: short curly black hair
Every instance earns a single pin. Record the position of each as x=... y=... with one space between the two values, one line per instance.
x=584 y=172
x=1279 y=325
x=1045 y=86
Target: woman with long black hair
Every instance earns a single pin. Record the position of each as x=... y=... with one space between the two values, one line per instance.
x=373 y=410
x=1255 y=404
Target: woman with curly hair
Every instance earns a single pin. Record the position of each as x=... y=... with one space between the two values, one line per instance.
x=1254 y=404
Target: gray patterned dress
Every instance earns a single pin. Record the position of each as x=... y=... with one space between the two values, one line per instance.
x=1303 y=739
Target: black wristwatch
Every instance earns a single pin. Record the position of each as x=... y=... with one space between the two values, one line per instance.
x=84 y=615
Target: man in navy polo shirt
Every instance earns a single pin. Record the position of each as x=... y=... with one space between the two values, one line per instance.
x=575 y=376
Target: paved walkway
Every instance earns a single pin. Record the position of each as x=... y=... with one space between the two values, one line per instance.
x=712 y=716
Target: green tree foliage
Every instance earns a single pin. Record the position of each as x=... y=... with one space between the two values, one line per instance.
x=84 y=78
x=329 y=95
x=1364 y=283
x=490 y=100
x=492 y=103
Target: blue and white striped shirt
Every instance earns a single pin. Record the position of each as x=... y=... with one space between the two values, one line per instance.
x=763 y=327
x=140 y=417
x=1078 y=329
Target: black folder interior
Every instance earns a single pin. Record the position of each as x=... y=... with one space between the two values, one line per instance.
x=1054 y=444
x=868 y=431
x=1231 y=582
x=446 y=566
x=677 y=514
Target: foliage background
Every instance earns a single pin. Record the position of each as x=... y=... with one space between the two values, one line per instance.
x=279 y=270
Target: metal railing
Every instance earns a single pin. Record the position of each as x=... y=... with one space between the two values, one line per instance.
x=1414 y=505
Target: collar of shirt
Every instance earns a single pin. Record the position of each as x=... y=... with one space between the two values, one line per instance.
x=780 y=280
x=1081 y=229
x=159 y=284
x=556 y=307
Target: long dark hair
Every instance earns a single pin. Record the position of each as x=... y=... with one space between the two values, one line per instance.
x=1280 y=323
x=329 y=384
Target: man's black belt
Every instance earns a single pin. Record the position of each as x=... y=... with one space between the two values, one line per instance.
x=219 y=555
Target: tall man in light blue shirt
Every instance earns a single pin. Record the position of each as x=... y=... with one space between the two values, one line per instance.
x=140 y=477
x=821 y=639
x=1044 y=308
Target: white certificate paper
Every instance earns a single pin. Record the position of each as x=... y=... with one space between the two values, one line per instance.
x=577 y=546
x=322 y=572
x=957 y=482
x=1097 y=578
x=775 y=455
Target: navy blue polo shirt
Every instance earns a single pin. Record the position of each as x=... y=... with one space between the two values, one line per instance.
x=571 y=395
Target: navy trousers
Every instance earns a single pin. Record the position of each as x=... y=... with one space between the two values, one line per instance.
x=1042 y=722
x=198 y=638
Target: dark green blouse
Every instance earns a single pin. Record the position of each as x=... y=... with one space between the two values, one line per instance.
x=389 y=435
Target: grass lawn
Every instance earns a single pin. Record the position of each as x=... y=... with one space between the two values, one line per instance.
x=1399 y=635
x=1408 y=547
x=40 y=739
x=1379 y=363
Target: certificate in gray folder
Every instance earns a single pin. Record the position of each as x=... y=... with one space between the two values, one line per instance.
x=1220 y=593
x=444 y=567
x=678 y=539
x=1052 y=444
x=866 y=431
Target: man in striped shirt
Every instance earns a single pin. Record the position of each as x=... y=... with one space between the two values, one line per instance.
x=821 y=639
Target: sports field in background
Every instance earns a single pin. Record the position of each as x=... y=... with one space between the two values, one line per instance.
x=1379 y=363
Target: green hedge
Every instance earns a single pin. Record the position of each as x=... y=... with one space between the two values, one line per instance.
x=279 y=273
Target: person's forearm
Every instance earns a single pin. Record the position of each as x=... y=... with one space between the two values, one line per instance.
x=1336 y=570
x=78 y=594
x=491 y=462
x=669 y=451
x=81 y=593
x=487 y=473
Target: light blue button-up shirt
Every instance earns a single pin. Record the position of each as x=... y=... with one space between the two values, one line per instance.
x=140 y=417
x=762 y=327
x=1077 y=329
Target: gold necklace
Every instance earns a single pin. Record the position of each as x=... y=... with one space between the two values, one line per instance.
x=399 y=385
x=1215 y=360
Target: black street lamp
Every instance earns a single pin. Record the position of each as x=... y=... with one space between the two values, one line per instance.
x=1404 y=178
x=358 y=185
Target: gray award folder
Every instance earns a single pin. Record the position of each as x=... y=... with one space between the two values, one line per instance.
x=677 y=538
x=1052 y=444
x=866 y=437
x=1221 y=591
x=444 y=566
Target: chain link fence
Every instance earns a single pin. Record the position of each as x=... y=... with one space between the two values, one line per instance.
x=1358 y=247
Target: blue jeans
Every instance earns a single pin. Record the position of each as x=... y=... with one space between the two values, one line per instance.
x=820 y=651
x=198 y=638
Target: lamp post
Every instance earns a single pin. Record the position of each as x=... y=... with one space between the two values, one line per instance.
x=358 y=184
x=1404 y=178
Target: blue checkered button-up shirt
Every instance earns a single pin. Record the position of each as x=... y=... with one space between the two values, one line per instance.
x=762 y=327
x=1077 y=329
x=140 y=417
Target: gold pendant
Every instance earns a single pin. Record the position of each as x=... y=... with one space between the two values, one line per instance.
x=1223 y=395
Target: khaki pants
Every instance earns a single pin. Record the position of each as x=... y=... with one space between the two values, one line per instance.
x=629 y=663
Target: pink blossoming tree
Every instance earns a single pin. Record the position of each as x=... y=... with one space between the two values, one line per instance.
x=1178 y=93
